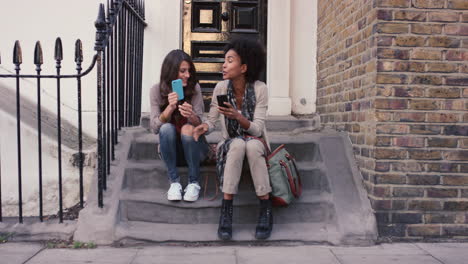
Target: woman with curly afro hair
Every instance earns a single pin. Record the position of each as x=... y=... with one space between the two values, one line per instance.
x=242 y=121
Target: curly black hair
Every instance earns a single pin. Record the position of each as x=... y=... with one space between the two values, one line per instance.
x=251 y=53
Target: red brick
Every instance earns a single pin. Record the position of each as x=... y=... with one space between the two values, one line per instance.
x=383 y=116
x=455 y=180
x=393 y=3
x=426 y=29
x=392 y=54
x=392 y=28
x=424 y=54
x=442 y=193
x=392 y=129
x=409 y=166
x=461 y=155
x=427 y=79
x=382 y=192
x=384 y=40
x=385 y=14
x=391 y=78
x=412 y=91
x=442 y=167
x=423 y=104
x=442 y=142
x=456 y=55
x=465 y=92
x=455 y=130
x=410 y=15
x=382 y=166
x=409 y=117
x=456 y=206
x=390 y=103
x=381 y=204
x=383 y=141
x=444 y=92
x=464 y=143
x=443 y=16
x=442 y=118
x=442 y=67
x=428 y=3
x=425 y=154
x=409 y=41
x=410 y=142
x=458 y=30
x=408 y=192
x=442 y=41
x=425 y=205
x=461 y=105
x=424 y=230
x=458 y=4
x=415 y=179
x=382 y=153
x=456 y=81
x=440 y=218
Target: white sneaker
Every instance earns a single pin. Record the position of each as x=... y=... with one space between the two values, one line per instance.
x=175 y=192
x=191 y=192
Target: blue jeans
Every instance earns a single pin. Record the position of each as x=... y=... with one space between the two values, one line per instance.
x=180 y=150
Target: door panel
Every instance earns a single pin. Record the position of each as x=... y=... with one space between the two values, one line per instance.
x=208 y=25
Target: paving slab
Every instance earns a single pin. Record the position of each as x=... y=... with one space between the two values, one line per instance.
x=447 y=253
x=182 y=255
x=384 y=254
x=18 y=253
x=102 y=255
x=281 y=255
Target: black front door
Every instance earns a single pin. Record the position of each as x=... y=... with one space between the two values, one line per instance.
x=208 y=25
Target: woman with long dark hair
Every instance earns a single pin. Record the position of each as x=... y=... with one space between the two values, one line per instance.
x=242 y=122
x=174 y=121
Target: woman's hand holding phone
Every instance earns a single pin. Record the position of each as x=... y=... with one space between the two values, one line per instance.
x=186 y=110
x=173 y=98
x=229 y=111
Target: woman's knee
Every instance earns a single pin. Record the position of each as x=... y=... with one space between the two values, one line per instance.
x=254 y=148
x=237 y=146
x=167 y=129
x=187 y=130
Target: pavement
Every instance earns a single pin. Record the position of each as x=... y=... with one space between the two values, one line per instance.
x=402 y=253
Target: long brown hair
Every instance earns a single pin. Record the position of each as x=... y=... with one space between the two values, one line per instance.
x=170 y=72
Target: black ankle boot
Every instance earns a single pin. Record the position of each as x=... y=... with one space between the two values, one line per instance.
x=225 y=221
x=265 y=220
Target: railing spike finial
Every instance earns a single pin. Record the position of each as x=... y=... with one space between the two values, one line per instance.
x=17 y=54
x=38 y=58
x=58 y=55
x=78 y=51
x=101 y=28
x=0 y=58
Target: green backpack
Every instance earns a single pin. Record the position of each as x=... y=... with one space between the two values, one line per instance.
x=284 y=177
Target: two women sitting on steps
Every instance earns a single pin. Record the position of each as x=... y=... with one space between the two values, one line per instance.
x=242 y=120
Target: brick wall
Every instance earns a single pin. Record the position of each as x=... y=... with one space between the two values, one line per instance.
x=410 y=133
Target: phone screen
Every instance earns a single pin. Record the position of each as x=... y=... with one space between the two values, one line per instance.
x=222 y=99
x=178 y=88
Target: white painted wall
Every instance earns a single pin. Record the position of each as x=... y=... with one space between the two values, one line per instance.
x=303 y=56
x=163 y=34
x=30 y=172
x=45 y=20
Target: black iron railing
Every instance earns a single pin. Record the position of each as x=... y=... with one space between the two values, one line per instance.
x=119 y=60
x=119 y=43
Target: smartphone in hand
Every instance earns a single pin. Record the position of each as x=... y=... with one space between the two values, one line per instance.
x=222 y=99
x=178 y=88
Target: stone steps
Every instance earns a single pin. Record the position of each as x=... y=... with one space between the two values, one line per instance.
x=135 y=232
x=151 y=174
x=303 y=146
x=334 y=208
x=152 y=206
